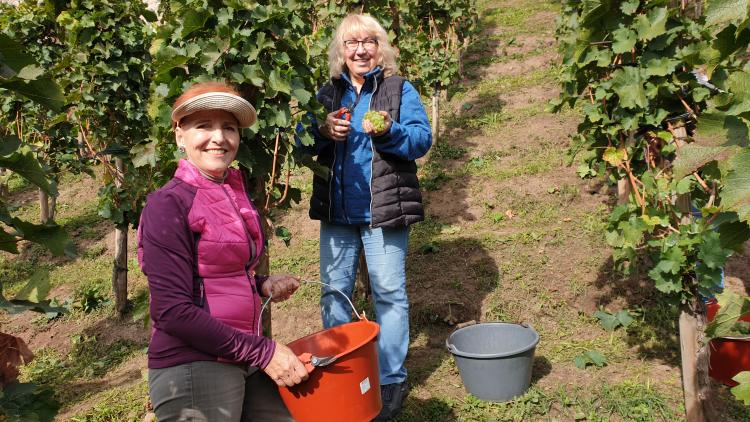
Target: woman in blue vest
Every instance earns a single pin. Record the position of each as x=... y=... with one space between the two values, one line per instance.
x=372 y=194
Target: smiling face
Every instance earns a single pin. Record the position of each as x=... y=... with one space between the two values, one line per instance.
x=210 y=139
x=364 y=57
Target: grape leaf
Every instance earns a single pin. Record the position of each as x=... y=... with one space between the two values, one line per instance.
x=722 y=12
x=742 y=390
x=719 y=129
x=9 y=144
x=736 y=193
x=614 y=156
x=597 y=358
x=628 y=85
x=193 y=20
x=629 y=7
x=692 y=157
x=653 y=24
x=731 y=307
x=623 y=316
x=711 y=253
x=608 y=321
x=37 y=288
x=24 y=163
x=624 y=40
x=659 y=66
x=284 y=234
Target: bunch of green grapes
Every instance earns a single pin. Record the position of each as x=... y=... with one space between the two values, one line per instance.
x=376 y=119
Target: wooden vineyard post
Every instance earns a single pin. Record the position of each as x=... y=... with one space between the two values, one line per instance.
x=264 y=263
x=120 y=265
x=43 y=206
x=693 y=348
x=435 y=115
x=688 y=351
x=623 y=191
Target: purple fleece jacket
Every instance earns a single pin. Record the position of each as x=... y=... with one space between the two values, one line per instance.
x=195 y=225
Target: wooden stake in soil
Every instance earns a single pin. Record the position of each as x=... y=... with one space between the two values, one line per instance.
x=120 y=265
x=688 y=353
x=623 y=191
x=264 y=263
x=435 y=115
x=43 y=206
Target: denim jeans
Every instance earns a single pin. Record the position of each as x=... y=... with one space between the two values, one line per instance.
x=214 y=392
x=385 y=253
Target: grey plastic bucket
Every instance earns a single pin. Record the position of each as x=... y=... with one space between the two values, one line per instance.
x=494 y=358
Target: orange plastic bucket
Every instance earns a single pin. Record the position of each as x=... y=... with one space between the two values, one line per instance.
x=347 y=390
x=727 y=356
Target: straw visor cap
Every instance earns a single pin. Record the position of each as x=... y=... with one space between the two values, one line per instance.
x=242 y=110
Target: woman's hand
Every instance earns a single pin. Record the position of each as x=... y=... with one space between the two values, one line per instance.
x=335 y=127
x=280 y=286
x=285 y=368
x=370 y=130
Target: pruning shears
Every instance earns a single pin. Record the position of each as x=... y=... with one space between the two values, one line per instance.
x=311 y=361
x=343 y=113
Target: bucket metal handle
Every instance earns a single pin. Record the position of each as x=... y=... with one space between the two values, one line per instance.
x=263 y=308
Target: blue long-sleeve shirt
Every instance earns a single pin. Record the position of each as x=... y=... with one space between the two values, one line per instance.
x=407 y=139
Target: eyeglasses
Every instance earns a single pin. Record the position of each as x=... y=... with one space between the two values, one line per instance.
x=369 y=44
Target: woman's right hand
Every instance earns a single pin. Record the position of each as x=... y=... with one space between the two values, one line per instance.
x=285 y=368
x=335 y=127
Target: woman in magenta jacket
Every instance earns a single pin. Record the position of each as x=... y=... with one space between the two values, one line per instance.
x=200 y=239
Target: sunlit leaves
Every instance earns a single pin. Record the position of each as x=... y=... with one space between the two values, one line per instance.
x=736 y=193
x=20 y=73
x=731 y=307
x=610 y=321
x=742 y=390
x=652 y=24
x=693 y=156
x=192 y=20
x=37 y=288
x=614 y=156
x=627 y=83
x=24 y=163
x=590 y=357
x=624 y=40
x=723 y=12
x=718 y=128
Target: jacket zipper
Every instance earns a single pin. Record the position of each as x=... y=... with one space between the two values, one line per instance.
x=352 y=107
x=330 y=176
x=372 y=147
x=250 y=246
x=249 y=239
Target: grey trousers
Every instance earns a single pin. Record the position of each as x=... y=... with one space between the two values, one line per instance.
x=214 y=392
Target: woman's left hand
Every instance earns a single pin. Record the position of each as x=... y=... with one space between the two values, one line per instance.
x=280 y=286
x=367 y=126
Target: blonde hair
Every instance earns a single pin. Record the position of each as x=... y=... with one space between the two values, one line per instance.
x=361 y=23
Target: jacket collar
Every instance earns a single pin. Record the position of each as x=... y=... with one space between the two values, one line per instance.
x=188 y=173
x=374 y=73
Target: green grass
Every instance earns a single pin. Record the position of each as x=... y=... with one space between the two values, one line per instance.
x=127 y=403
x=88 y=360
x=515 y=19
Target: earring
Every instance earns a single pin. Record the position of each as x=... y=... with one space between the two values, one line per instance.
x=181 y=147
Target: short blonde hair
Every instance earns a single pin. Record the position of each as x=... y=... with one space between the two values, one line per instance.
x=361 y=23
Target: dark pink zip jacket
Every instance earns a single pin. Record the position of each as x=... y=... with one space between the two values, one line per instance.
x=196 y=226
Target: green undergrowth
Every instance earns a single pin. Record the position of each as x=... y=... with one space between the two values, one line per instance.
x=125 y=403
x=89 y=360
x=629 y=400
